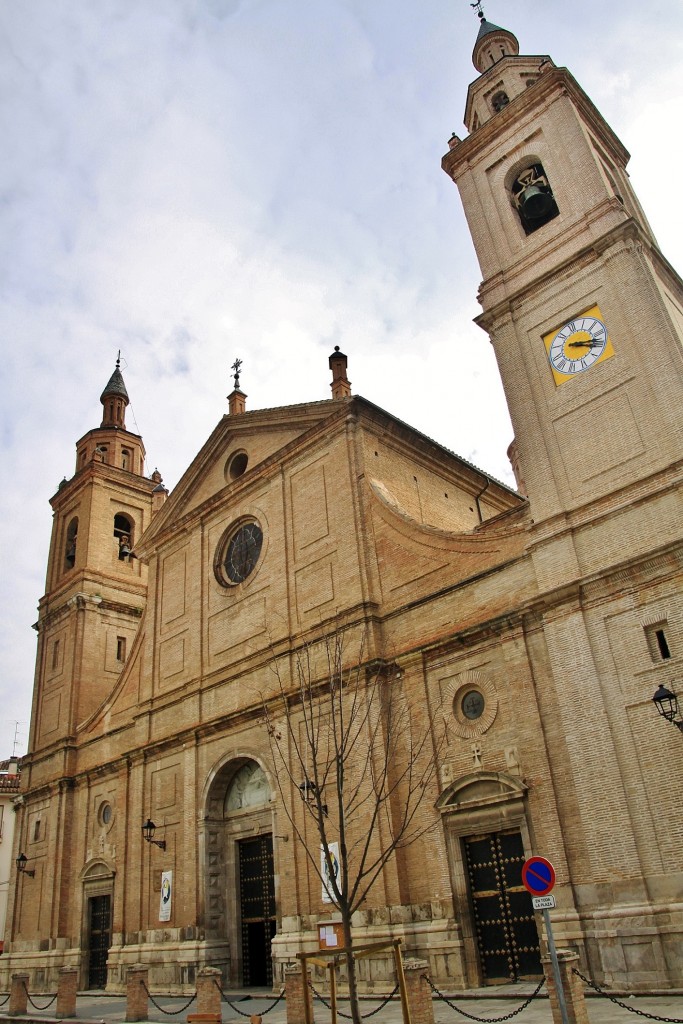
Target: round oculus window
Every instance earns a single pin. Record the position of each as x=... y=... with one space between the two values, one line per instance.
x=240 y=555
x=105 y=813
x=473 y=704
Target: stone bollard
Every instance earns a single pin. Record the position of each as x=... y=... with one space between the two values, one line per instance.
x=571 y=985
x=67 y=987
x=18 y=995
x=136 y=992
x=418 y=991
x=298 y=995
x=208 y=997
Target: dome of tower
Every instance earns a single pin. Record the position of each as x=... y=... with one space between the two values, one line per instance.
x=492 y=43
x=115 y=386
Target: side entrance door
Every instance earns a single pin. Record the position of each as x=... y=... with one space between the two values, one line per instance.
x=257 y=904
x=99 y=939
x=505 y=925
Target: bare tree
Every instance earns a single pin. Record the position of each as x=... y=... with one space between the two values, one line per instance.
x=344 y=734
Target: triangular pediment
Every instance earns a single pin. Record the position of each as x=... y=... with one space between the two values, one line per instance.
x=240 y=448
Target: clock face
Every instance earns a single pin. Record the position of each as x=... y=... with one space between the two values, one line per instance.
x=242 y=552
x=578 y=345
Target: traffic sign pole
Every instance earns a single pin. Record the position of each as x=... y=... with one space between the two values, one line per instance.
x=538 y=878
x=556 y=967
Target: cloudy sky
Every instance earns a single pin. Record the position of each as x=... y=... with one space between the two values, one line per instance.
x=193 y=180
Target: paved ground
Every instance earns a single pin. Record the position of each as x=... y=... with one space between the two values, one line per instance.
x=103 y=1008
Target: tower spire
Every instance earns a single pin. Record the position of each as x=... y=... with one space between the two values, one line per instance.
x=114 y=399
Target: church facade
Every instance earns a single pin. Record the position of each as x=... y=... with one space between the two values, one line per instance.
x=532 y=627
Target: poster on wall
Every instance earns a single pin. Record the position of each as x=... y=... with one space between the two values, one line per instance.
x=166 y=894
x=334 y=856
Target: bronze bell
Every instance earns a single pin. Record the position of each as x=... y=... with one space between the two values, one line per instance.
x=534 y=203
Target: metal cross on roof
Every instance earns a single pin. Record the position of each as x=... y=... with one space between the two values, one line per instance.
x=478 y=8
x=236 y=367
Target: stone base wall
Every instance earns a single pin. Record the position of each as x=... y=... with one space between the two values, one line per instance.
x=630 y=947
x=636 y=948
x=427 y=934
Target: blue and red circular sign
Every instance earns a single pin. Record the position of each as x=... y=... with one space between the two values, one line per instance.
x=538 y=876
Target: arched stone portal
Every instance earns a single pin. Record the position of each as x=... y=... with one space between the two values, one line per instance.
x=487 y=837
x=97 y=879
x=239 y=873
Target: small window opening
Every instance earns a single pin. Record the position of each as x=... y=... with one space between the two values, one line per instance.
x=660 y=637
x=55 y=654
x=499 y=100
x=126 y=458
x=658 y=641
x=120 y=648
x=36 y=830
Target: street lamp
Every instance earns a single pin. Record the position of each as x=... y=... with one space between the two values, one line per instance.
x=148 y=830
x=309 y=794
x=21 y=863
x=666 y=703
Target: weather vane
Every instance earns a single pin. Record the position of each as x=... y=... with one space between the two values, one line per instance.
x=478 y=8
x=236 y=367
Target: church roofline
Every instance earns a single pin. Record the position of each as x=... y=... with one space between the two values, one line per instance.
x=236 y=425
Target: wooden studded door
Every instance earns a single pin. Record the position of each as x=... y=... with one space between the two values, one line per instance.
x=503 y=914
x=257 y=903
x=99 y=939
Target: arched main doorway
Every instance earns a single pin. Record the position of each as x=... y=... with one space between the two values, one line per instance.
x=98 y=899
x=488 y=841
x=240 y=877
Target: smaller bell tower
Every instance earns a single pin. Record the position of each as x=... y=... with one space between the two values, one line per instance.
x=96 y=587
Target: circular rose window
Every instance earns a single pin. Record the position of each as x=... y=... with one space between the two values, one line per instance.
x=238 y=554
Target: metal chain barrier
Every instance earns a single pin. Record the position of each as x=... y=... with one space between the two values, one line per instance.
x=5 y=1000
x=235 y=1008
x=340 y=1013
x=624 y=1006
x=169 y=1013
x=35 y=1005
x=488 y=1020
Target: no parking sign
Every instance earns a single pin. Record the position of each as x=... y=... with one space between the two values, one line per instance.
x=538 y=876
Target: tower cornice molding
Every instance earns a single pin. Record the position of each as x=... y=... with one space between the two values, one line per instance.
x=624 y=236
x=549 y=86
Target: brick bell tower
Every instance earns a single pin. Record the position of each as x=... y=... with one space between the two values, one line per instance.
x=96 y=587
x=586 y=318
x=583 y=310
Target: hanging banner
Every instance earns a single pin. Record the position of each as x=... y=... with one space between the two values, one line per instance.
x=166 y=894
x=334 y=856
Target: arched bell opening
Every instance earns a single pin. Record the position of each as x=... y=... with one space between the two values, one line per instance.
x=70 y=544
x=123 y=536
x=532 y=197
x=487 y=838
x=239 y=874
